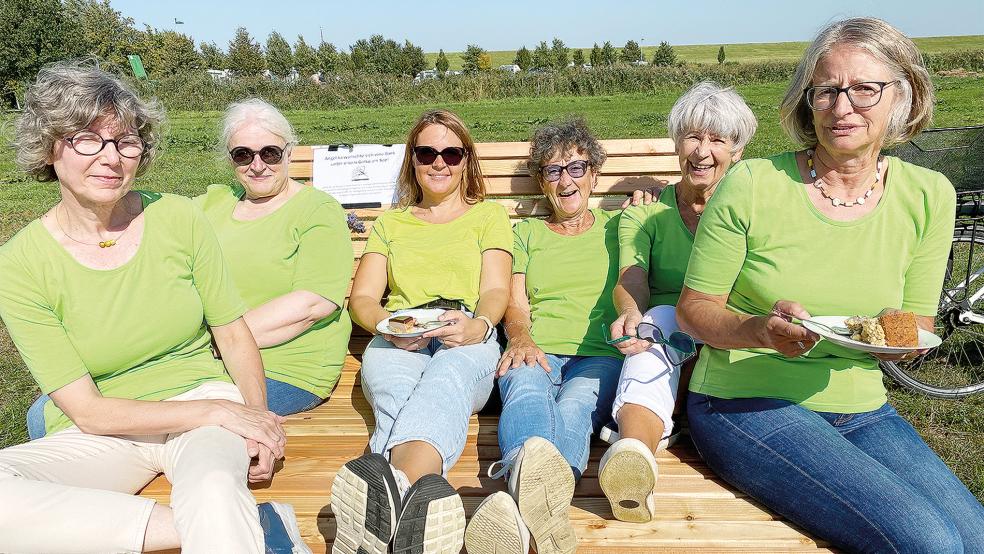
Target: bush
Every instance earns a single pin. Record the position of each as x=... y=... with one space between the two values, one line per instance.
x=971 y=60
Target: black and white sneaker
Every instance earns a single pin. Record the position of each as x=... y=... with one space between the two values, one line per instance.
x=365 y=500
x=432 y=520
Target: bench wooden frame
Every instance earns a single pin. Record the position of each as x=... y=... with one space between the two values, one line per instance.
x=695 y=509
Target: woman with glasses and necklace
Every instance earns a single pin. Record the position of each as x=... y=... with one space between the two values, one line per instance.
x=710 y=126
x=113 y=298
x=802 y=426
x=289 y=253
x=442 y=247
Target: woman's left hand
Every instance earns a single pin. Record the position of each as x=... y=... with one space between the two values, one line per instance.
x=262 y=462
x=463 y=331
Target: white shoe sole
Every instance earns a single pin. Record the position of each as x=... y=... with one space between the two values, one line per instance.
x=493 y=528
x=544 y=490
x=432 y=520
x=364 y=507
x=627 y=481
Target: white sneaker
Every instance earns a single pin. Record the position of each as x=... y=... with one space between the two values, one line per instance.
x=627 y=475
x=497 y=528
x=542 y=484
x=610 y=435
x=365 y=500
x=432 y=520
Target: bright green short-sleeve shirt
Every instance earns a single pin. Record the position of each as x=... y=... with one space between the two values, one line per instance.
x=303 y=245
x=569 y=282
x=655 y=238
x=138 y=330
x=761 y=240
x=427 y=261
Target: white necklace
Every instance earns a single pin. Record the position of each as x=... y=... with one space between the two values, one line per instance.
x=837 y=202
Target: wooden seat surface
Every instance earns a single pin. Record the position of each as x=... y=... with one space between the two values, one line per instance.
x=695 y=510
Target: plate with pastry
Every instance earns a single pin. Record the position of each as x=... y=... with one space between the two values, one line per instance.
x=892 y=332
x=412 y=323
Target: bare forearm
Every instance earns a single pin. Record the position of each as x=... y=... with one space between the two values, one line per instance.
x=286 y=317
x=632 y=290
x=719 y=327
x=242 y=360
x=516 y=322
x=492 y=304
x=366 y=312
x=118 y=416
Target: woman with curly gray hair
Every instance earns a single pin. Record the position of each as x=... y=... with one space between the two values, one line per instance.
x=112 y=298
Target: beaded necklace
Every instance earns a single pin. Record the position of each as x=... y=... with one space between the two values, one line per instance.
x=837 y=202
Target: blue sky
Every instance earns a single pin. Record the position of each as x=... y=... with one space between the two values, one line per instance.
x=509 y=24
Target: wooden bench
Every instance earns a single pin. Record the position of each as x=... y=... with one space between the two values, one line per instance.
x=695 y=509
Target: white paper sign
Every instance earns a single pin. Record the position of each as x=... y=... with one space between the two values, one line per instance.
x=363 y=174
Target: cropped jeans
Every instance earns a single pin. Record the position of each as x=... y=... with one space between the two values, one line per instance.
x=564 y=406
x=866 y=482
x=427 y=395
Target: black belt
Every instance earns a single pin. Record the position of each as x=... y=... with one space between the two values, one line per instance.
x=444 y=304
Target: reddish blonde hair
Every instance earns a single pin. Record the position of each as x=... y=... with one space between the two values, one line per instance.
x=472 y=181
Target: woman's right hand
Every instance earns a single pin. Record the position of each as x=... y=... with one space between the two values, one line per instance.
x=627 y=324
x=780 y=334
x=522 y=351
x=410 y=344
x=262 y=426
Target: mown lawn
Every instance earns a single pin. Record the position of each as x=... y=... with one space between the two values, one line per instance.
x=189 y=162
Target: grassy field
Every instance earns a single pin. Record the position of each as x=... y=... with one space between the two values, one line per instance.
x=742 y=53
x=189 y=163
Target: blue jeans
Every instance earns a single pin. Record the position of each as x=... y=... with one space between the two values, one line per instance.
x=564 y=406
x=865 y=482
x=427 y=395
x=282 y=398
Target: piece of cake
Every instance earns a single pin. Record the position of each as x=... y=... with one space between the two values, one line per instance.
x=900 y=328
x=401 y=324
x=866 y=329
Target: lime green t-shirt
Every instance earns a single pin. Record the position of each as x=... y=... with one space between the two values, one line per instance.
x=427 y=261
x=303 y=245
x=655 y=238
x=569 y=282
x=761 y=240
x=139 y=329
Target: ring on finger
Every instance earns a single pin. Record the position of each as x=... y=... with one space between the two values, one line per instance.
x=800 y=344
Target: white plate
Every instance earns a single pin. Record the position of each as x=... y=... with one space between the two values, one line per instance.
x=926 y=339
x=420 y=315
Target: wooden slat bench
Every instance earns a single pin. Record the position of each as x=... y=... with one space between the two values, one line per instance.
x=695 y=509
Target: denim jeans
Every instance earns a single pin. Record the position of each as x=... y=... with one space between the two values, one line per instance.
x=427 y=395
x=564 y=406
x=865 y=482
x=282 y=398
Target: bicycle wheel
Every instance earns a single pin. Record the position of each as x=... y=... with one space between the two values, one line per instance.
x=956 y=368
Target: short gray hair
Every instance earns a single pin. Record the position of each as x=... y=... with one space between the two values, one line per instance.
x=710 y=107
x=69 y=96
x=559 y=137
x=913 y=109
x=260 y=112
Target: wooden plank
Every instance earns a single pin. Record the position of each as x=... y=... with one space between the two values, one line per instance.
x=520 y=185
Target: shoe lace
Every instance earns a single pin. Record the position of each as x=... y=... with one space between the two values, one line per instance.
x=503 y=471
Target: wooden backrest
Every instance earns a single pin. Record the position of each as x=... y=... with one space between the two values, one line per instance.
x=632 y=164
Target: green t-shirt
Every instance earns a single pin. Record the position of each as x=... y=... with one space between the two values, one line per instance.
x=303 y=245
x=427 y=261
x=655 y=238
x=761 y=240
x=139 y=329
x=569 y=282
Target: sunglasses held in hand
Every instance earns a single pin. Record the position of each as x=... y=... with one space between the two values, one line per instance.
x=679 y=341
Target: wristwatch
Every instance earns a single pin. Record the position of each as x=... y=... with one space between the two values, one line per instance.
x=488 y=332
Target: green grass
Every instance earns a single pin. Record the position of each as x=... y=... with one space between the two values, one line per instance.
x=189 y=163
x=742 y=53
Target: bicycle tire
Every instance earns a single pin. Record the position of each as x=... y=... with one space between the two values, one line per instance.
x=914 y=374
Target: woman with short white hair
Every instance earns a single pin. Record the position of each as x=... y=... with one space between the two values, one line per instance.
x=710 y=126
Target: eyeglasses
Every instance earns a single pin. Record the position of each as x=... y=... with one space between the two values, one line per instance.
x=88 y=143
x=860 y=95
x=271 y=155
x=678 y=341
x=452 y=155
x=575 y=169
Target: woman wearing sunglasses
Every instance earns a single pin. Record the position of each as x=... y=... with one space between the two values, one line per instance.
x=833 y=229
x=289 y=253
x=441 y=247
x=710 y=126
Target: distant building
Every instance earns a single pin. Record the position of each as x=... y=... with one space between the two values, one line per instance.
x=219 y=75
x=510 y=67
x=640 y=62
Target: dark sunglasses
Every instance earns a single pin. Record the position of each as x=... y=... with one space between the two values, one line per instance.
x=244 y=156
x=679 y=341
x=452 y=155
x=575 y=169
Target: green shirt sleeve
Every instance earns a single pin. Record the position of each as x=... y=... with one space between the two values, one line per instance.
x=924 y=278
x=720 y=245
x=220 y=299
x=497 y=231
x=377 y=241
x=324 y=254
x=521 y=238
x=635 y=244
x=36 y=330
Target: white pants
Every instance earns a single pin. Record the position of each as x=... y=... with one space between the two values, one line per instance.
x=651 y=378
x=74 y=492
